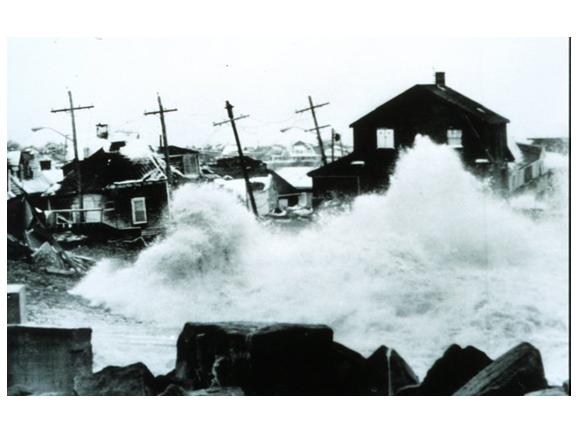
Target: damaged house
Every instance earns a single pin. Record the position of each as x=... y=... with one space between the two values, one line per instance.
x=31 y=172
x=435 y=110
x=184 y=161
x=118 y=194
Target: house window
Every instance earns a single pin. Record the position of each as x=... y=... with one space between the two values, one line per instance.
x=139 y=211
x=385 y=138
x=454 y=137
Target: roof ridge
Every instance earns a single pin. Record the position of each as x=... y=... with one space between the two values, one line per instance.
x=448 y=94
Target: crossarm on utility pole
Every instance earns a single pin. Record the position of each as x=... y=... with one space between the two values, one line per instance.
x=161 y=111
x=317 y=128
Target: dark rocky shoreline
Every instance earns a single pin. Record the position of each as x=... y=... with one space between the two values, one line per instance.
x=259 y=359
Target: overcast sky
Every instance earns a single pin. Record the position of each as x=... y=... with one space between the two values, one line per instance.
x=526 y=80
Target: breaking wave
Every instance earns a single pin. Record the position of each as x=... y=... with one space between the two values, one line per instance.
x=436 y=260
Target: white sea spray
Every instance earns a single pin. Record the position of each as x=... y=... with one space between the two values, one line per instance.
x=435 y=260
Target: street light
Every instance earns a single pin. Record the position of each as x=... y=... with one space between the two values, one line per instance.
x=38 y=128
x=295 y=127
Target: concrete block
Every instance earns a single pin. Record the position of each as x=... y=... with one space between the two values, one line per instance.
x=16 y=313
x=46 y=360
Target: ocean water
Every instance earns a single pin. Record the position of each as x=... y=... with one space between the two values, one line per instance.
x=433 y=261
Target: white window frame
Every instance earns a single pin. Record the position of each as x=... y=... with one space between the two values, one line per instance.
x=385 y=138
x=133 y=203
x=458 y=133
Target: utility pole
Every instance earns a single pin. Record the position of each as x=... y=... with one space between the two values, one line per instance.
x=339 y=139
x=71 y=110
x=332 y=144
x=232 y=121
x=161 y=111
x=317 y=128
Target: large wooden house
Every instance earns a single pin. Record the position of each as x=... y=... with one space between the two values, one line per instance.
x=435 y=110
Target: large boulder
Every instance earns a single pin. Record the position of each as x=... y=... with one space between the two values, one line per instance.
x=132 y=380
x=515 y=373
x=450 y=372
x=262 y=359
x=46 y=360
x=388 y=372
x=350 y=372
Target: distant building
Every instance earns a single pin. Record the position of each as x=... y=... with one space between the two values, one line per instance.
x=31 y=172
x=435 y=110
x=552 y=145
x=231 y=167
x=529 y=170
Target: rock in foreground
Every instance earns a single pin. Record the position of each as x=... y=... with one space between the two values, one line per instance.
x=515 y=373
x=132 y=380
x=389 y=372
x=450 y=372
x=262 y=359
x=46 y=360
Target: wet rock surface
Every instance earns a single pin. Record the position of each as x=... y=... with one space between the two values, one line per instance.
x=389 y=372
x=262 y=359
x=46 y=360
x=246 y=358
x=515 y=373
x=450 y=372
x=132 y=380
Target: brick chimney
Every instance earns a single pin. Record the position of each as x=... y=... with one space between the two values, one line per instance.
x=441 y=79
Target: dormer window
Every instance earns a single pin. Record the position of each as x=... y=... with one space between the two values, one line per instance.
x=385 y=138
x=454 y=138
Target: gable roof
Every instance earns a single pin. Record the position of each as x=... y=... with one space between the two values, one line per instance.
x=446 y=94
x=377 y=163
x=530 y=154
x=102 y=169
x=296 y=176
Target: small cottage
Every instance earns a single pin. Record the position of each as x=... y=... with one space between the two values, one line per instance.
x=118 y=193
x=291 y=187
